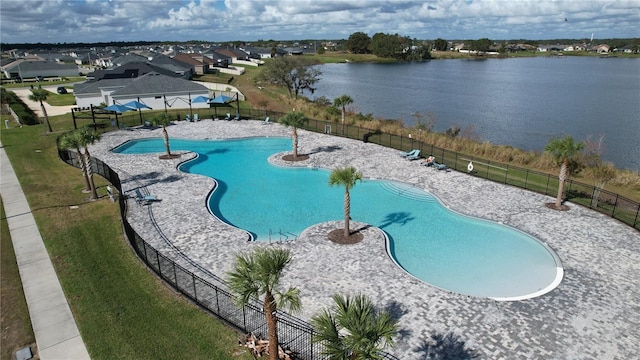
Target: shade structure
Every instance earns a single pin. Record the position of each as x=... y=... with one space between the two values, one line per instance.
x=200 y=99
x=221 y=100
x=118 y=108
x=137 y=105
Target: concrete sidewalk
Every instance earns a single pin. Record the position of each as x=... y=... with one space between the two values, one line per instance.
x=53 y=324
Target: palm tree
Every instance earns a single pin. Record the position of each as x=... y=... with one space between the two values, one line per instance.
x=342 y=102
x=294 y=119
x=258 y=274
x=346 y=177
x=355 y=329
x=164 y=119
x=70 y=140
x=40 y=95
x=563 y=150
x=87 y=137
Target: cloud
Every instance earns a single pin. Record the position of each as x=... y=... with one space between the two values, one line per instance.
x=223 y=20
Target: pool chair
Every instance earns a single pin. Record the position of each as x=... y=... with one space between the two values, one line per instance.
x=408 y=153
x=228 y=117
x=415 y=156
x=187 y=118
x=195 y=117
x=237 y=117
x=440 y=166
x=266 y=121
x=144 y=199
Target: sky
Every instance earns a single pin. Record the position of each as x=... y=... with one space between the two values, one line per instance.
x=87 y=21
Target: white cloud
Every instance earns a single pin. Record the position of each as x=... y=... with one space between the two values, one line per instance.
x=221 y=20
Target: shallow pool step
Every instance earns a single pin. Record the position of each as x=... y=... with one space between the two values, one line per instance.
x=407 y=191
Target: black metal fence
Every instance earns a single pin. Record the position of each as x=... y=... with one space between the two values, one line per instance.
x=293 y=334
x=607 y=202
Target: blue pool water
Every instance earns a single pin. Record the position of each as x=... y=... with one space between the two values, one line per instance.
x=441 y=247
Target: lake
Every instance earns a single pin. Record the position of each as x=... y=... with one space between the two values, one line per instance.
x=522 y=102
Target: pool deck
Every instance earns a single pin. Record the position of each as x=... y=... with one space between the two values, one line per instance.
x=593 y=314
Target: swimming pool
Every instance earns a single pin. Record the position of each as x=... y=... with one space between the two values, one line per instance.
x=429 y=241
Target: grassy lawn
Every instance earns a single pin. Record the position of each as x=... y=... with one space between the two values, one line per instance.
x=55 y=99
x=16 y=324
x=122 y=310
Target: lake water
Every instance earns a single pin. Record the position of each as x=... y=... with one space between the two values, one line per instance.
x=522 y=102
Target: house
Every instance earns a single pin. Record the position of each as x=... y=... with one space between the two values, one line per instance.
x=257 y=52
x=600 y=49
x=233 y=54
x=137 y=69
x=156 y=90
x=293 y=51
x=27 y=69
x=199 y=62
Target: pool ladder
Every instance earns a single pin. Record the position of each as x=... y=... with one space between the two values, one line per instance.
x=283 y=236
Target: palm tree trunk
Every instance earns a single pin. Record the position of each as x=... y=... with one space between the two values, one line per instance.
x=87 y=159
x=295 y=143
x=561 y=178
x=46 y=117
x=84 y=169
x=165 y=135
x=347 y=212
x=272 y=325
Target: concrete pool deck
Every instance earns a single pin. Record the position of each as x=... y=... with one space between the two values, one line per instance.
x=593 y=314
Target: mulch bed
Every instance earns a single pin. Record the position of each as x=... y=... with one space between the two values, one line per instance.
x=337 y=236
x=552 y=206
x=169 y=157
x=289 y=157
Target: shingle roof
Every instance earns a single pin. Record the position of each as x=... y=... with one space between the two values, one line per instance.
x=154 y=83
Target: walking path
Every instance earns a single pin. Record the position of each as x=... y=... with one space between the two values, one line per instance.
x=55 y=329
x=593 y=314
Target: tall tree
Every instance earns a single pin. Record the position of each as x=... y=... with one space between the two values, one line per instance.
x=440 y=44
x=342 y=102
x=296 y=74
x=71 y=140
x=563 y=151
x=163 y=120
x=258 y=274
x=359 y=43
x=354 y=329
x=40 y=95
x=295 y=119
x=86 y=137
x=346 y=177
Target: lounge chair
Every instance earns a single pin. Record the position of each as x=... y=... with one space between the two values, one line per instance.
x=187 y=118
x=237 y=117
x=409 y=153
x=195 y=117
x=266 y=121
x=144 y=199
x=415 y=156
x=228 y=117
x=440 y=166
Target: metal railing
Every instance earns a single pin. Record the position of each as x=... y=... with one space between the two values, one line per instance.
x=294 y=334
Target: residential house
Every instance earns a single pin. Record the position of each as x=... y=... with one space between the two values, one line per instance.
x=199 y=62
x=600 y=49
x=233 y=54
x=27 y=69
x=156 y=90
x=136 y=69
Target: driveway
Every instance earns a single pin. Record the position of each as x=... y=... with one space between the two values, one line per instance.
x=23 y=94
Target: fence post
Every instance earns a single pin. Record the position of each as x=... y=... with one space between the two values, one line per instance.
x=546 y=190
x=158 y=260
x=193 y=280
x=615 y=205
x=506 y=174
x=455 y=164
x=175 y=275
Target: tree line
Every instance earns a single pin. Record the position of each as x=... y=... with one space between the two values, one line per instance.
x=389 y=46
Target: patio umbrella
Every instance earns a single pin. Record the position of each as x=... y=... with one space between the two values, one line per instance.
x=200 y=99
x=220 y=100
x=118 y=108
x=137 y=105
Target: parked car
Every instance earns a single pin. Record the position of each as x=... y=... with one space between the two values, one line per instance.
x=62 y=90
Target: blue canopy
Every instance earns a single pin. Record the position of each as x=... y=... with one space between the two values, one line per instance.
x=118 y=108
x=137 y=105
x=222 y=99
x=200 y=99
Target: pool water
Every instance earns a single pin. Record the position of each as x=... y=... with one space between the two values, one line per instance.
x=441 y=247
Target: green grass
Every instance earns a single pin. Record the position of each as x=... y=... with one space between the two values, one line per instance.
x=55 y=99
x=16 y=324
x=122 y=310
